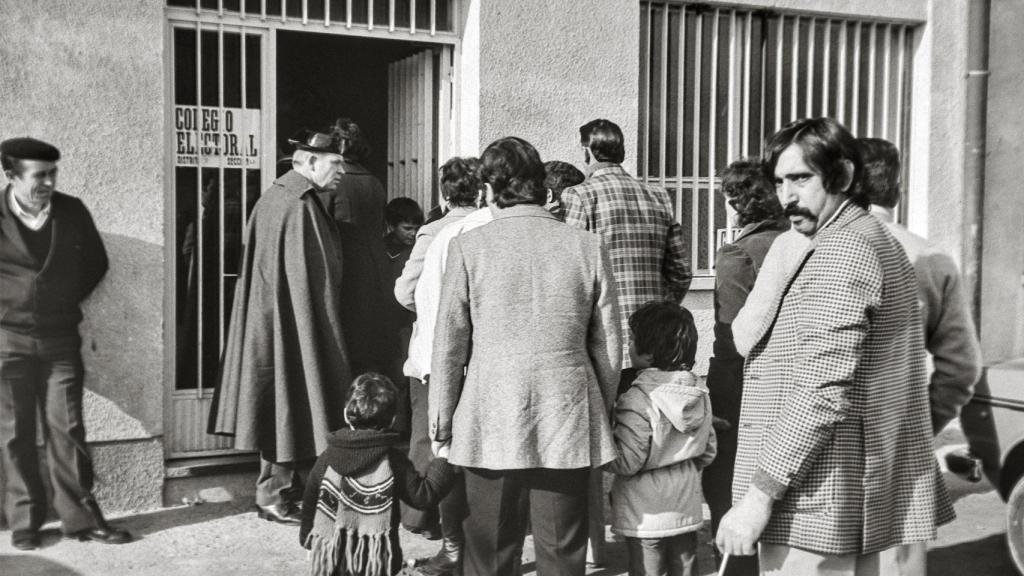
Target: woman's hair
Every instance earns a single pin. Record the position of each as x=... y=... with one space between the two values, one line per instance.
x=750 y=191
x=667 y=332
x=357 y=148
x=372 y=400
x=515 y=172
x=460 y=181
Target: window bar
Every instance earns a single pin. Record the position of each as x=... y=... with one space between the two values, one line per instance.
x=730 y=113
x=900 y=88
x=392 y=137
x=680 y=125
x=241 y=9
x=220 y=8
x=645 y=97
x=433 y=17
x=327 y=13
x=712 y=138
x=221 y=193
x=794 y=83
x=245 y=126
x=369 y=12
x=841 y=104
x=762 y=83
x=198 y=251
x=779 y=43
x=745 y=138
x=886 y=72
x=663 y=120
x=872 y=54
x=348 y=13
x=810 y=67
x=305 y=12
x=199 y=8
x=826 y=67
x=284 y=11
x=391 y=15
x=698 y=33
x=412 y=16
x=855 y=105
x=263 y=10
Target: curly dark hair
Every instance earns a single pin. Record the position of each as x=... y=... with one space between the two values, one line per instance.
x=460 y=183
x=357 y=148
x=667 y=332
x=748 y=188
x=515 y=172
x=372 y=400
x=827 y=146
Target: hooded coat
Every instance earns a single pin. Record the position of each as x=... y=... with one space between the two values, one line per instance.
x=664 y=435
x=285 y=369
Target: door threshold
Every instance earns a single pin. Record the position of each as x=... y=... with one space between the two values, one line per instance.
x=189 y=467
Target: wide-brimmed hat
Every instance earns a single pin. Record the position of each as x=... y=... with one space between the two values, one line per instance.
x=313 y=141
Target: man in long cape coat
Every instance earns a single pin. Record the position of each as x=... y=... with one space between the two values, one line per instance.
x=285 y=369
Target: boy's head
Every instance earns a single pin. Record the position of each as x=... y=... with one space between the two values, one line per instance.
x=558 y=176
x=404 y=218
x=662 y=335
x=372 y=400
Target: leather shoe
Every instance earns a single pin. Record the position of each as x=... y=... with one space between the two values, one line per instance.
x=103 y=534
x=286 y=514
x=25 y=539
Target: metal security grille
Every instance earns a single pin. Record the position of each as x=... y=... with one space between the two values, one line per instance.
x=376 y=17
x=715 y=82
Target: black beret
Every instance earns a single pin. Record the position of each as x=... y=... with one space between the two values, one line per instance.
x=29 y=149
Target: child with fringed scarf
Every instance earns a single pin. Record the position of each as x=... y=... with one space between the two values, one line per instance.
x=350 y=516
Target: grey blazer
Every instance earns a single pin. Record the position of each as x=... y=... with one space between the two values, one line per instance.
x=529 y=310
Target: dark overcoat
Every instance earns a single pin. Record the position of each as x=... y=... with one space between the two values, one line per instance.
x=285 y=368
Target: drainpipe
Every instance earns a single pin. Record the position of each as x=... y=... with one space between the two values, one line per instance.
x=974 y=157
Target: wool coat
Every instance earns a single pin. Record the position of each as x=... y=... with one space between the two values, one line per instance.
x=529 y=309
x=835 y=422
x=285 y=370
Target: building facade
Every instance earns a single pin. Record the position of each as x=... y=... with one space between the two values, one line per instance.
x=171 y=117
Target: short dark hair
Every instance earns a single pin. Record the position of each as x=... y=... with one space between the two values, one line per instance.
x=880 y=176
x=358 y=147
x=372 y=402
x=403 y=210
x=826 y=145
x=604 y=139
x=515 y=172
x=749 y=189
x=667 y=332
x=460 y=183
x=560 y=175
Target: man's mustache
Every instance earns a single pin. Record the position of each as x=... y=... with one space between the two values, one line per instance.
x=792 y=209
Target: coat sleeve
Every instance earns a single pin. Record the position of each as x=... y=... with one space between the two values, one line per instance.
x=95 y=254
x=575 y=212
x=734 y=278
x=309 y=497
x=675 y=269
x=952 y=342
x=604 y=337
x=844 y=291
x=405 y=285
x=422 y=492
x=632 y=437
x=453 y=335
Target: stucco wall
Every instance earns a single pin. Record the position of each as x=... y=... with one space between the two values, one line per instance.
x=87 y=75
x=1002 y=297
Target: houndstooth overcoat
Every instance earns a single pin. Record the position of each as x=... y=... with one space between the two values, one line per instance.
x=835 y=422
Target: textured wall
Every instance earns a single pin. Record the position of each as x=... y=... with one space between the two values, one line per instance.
x=87 y=75
x=1003 y=297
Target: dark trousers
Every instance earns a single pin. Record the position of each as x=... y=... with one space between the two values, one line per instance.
x=669 y=556
x=496 y=525
x=278 y=483
x=43 y=376
x=419 y=454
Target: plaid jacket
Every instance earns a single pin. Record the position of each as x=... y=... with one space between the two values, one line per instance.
x=835 y=421
x=643 y=239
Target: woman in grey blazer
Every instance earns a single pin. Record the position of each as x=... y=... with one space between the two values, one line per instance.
x=529 y=311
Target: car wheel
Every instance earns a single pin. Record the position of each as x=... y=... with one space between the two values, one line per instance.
x=1015 y=524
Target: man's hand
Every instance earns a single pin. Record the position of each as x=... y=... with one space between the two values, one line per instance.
x=742 y=526
x=440 y=449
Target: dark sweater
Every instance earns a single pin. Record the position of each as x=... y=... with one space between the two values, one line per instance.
x=353 y=452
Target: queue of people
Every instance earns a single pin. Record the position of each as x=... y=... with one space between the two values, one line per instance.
x=469 y=378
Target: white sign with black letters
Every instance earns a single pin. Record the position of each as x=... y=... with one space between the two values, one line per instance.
x=216 y=137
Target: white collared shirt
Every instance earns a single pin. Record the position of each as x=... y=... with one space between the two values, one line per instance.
x=31 y=222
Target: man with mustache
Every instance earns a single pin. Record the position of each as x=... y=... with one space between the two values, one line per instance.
x=285 y=367
x=51 y=258
x=834 y=468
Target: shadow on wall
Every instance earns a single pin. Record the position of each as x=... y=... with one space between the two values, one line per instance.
x=33 y=565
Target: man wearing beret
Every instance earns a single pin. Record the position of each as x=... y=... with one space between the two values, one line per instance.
x=51 y=258
x=285 y=368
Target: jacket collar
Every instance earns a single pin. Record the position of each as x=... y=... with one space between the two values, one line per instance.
x=519 y=210
x=349 y=167
x=9 y=223
x=845 y=214
x=601 y=168
x=882 y=213
x=780 y=223
x=296 y=184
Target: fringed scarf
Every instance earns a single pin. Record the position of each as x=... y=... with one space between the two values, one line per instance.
x=352 y=524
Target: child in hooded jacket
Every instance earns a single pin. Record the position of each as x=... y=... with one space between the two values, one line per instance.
x=664 y=435
x=350 y=512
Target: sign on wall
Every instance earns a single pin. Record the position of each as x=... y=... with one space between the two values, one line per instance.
x=214 y=137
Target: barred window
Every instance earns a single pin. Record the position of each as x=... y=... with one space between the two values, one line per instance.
x=424 y=15
x=715 y=82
